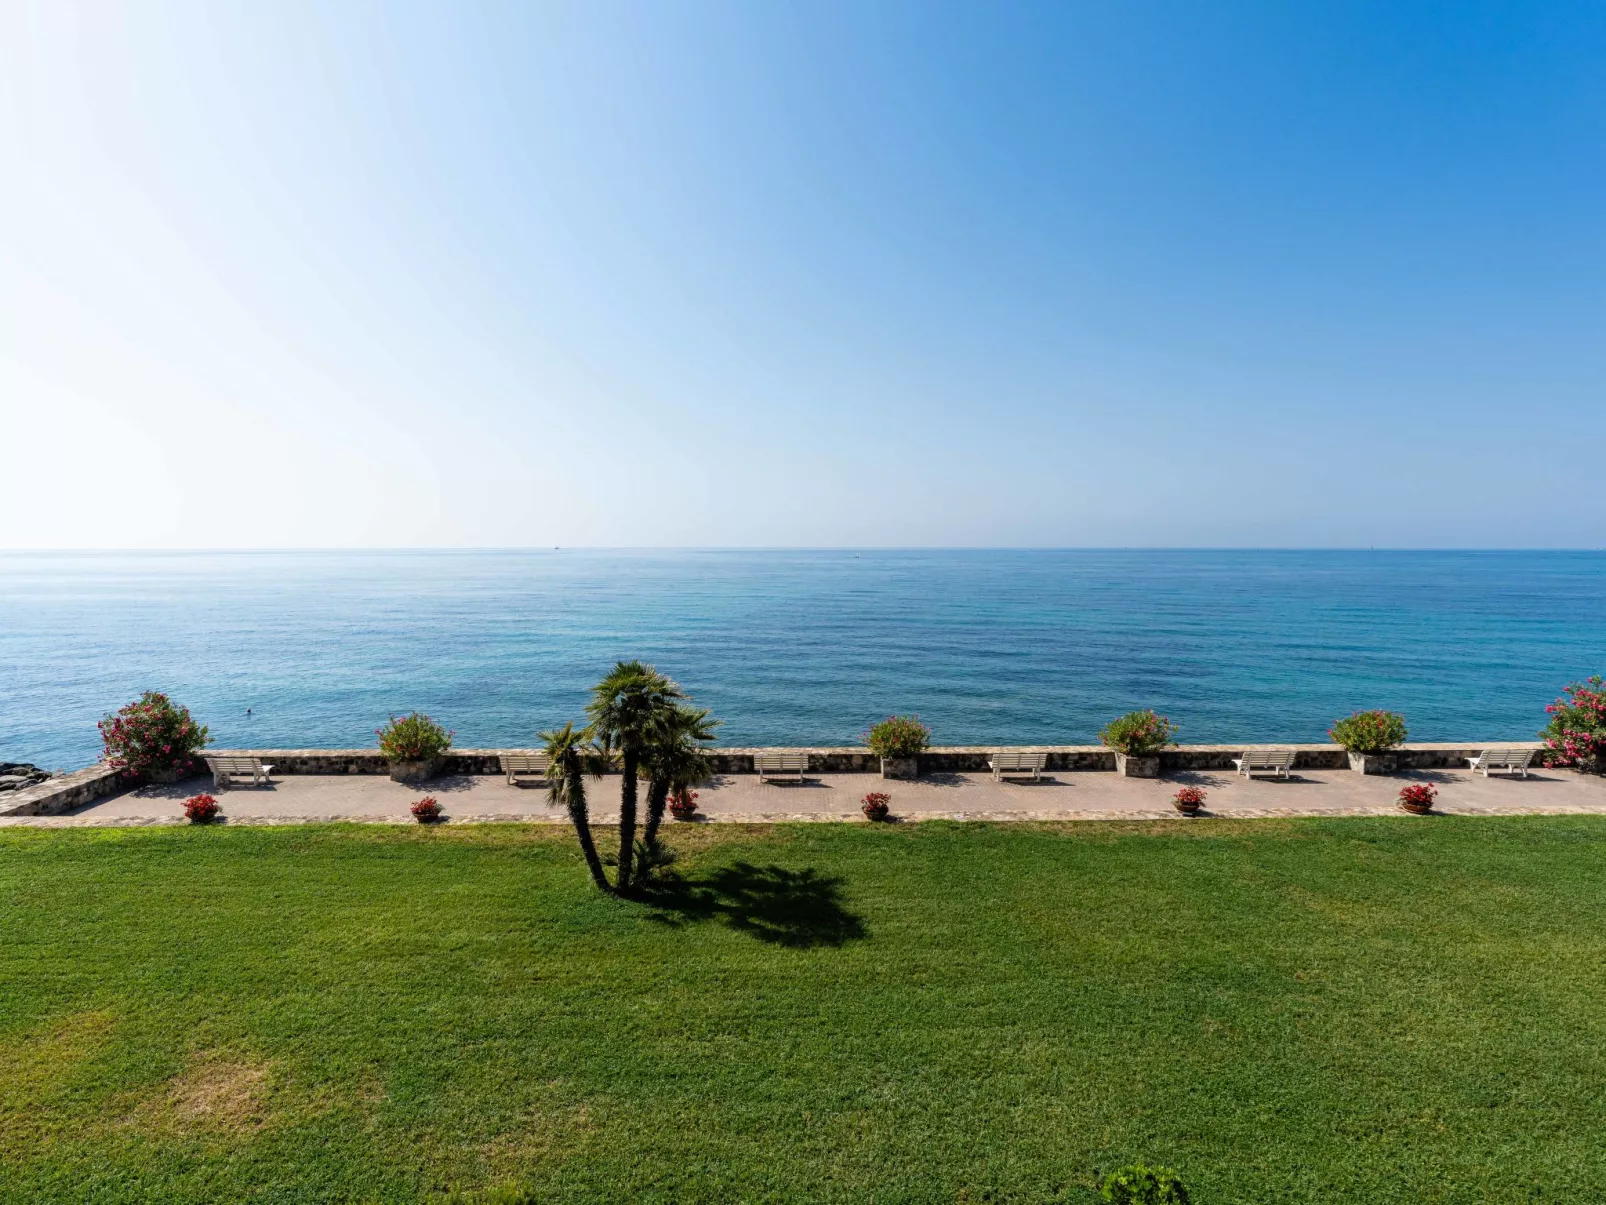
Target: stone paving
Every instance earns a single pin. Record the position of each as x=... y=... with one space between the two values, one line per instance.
x=1080 y=795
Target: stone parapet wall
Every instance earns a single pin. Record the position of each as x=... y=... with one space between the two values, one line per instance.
x=944 y=760
x=62 y=794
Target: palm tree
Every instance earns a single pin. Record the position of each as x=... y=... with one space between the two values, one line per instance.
x=623 y=709
x=573 y=757
x=675 y=758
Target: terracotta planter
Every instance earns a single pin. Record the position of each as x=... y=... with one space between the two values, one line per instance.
x=414 y=771
x=1187 y=809
x=900 y=767
x=1416 y=809
x=683 y=813
x=1134 y=765
x=1372 y=763
x=876 y=811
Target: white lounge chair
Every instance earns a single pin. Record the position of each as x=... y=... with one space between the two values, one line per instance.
x=780 y=765
x=1265 y=761
x=514 y=764
x=1512 y=760
x=225 y=768
x=1012 y=763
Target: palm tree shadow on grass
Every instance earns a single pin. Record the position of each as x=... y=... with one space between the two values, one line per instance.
x=798 y=909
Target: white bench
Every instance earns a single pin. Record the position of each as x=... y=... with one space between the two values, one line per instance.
x=1011 y=763
x=514 y=764
x=780 y=765
x=1512 y=760
x=1265 y=761
x=224 y=768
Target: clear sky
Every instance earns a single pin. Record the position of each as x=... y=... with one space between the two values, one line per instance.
x=688 y=273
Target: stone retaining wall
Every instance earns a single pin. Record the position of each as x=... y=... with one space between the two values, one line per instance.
x=945 y=760
x=62 y=794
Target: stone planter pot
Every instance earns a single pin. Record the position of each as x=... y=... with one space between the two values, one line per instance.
x=1133 y=765
x=1187 y=809
x=1372 y=763
x=900 y=767
x=168 y=776
x=1416 y=809
x=414 y=771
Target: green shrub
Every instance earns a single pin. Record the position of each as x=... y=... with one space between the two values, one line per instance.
x=1576 y=734
x=1138 y=733
x=152 y=736
x=898 y=736
x=1369 y=731
x=1140 y=1185
x=413 y=737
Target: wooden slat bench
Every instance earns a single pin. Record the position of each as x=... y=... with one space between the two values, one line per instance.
x=777 y=766
x=1512 y=760
x=514 y=764
x=1011 y=763
x=225 y=768
x=1265 y=761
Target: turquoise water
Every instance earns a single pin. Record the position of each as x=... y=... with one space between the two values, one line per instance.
x=795 y=647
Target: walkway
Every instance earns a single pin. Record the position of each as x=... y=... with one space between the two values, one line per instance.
x=1064 y=796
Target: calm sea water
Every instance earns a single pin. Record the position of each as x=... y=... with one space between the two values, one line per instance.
x=795 y=647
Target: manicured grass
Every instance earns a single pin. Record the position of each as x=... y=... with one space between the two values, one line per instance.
x=1346 y=1010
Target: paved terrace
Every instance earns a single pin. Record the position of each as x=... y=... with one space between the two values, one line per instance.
x=1062 y=795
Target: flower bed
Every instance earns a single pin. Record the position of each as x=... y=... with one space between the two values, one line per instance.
x=426 y=811
x=201 y=809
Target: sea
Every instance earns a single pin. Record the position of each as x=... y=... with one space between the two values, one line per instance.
x=317 y=649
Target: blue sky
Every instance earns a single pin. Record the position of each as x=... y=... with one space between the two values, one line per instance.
x=820 y=274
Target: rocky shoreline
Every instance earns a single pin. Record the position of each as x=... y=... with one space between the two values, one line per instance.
x=16 y=775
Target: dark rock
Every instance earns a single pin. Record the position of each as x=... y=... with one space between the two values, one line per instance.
x=15 y=775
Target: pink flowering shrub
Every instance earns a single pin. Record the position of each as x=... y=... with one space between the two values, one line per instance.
x=683 y=804
x=413 y=737
x=1138 y=733
x=152 y=736
x=898 y=736
x=1576 y=734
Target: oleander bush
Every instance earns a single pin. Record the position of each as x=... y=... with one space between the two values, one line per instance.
x=1141 y=1185
x=413 y=737
x=1138 y=733
x=1576 y=734
x=201 y=809
x=898 y=736
x=152 y=735
x=1369 y=731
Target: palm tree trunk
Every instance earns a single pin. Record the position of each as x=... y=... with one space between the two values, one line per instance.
x=657 y=801
x=574 y=790
x=627 y=822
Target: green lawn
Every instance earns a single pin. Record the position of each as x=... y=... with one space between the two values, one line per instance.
x=1347 y=1010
